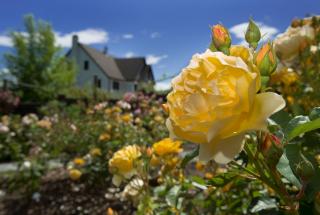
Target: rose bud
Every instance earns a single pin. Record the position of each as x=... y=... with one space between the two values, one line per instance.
x=272 y=149
x=221 y=38
x=253 y=34
x=266 y=60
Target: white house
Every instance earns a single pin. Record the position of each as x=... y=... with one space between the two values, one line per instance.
x=101 y=70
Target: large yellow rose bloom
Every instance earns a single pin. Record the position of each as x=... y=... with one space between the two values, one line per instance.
x=122 y=163
x=214 y=101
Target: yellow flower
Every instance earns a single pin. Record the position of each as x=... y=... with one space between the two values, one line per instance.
x=286 y=76
x=79 y=161
x=199 y=166
x=290 y=100
x=167 y=146
x=95 y=152
x=214 y=102
x=126 y=117
x=75 y=174
x=104 y=137
x=154 y=161
x=158 y=118
x=122 y=163
x=44 y=123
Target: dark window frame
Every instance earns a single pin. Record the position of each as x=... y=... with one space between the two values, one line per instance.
x=115 y=85
x=86 y=65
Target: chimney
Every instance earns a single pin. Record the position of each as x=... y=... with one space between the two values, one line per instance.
x=105 y=50
x=75 y=40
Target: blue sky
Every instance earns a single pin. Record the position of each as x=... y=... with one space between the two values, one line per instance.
x=167 y=32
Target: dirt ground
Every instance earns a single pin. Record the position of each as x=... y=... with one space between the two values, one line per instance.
x=58 y=195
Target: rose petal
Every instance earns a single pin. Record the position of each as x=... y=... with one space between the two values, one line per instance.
x=222 y=151
x=176 y=133
x=265 y=104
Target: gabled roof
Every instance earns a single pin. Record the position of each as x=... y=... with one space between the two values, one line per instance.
x=105 y=62
x=125 y=69
x=131 y=67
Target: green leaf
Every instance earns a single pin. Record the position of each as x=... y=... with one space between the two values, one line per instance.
x=303 y=128
x=172 y=195
x=222 y=179
x=282 y=118
x=188 y=157
x=264 y=204
x=315 y=113
x=287 y=161
x=313 y=186
x=296 y=121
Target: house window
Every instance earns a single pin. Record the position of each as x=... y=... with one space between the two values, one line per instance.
x=135 y=87
x=115 y=85
x=96 y=82
x=86 y=65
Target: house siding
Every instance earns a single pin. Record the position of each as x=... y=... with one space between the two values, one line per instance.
x=86 y=77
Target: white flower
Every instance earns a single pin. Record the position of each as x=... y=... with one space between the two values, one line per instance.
x=133 y=188
x=313 y=49
x=26 y=165
x=29 y=119
x=3 y=128
x=287 y=45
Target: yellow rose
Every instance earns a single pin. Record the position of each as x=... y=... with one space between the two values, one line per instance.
x=127 y=117
x=214 y=101
x=79 y=161
x=104 y=137
x=167 y=146
x=122 y=163
x=95 y=152
x=288 y=44
x=75 y=174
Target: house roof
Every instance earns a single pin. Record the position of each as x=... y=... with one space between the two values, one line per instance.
x=105 y=62
x=126 y=69
x=131 y=67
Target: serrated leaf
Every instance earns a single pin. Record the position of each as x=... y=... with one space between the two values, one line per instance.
x=284 y=165
x=264 y=204
x=222 y=179
x=315 y=113
x=303 y=128
x=296 y=121
x=172 y=195
x=282 y=118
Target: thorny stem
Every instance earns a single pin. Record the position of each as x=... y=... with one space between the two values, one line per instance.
x=275 y=182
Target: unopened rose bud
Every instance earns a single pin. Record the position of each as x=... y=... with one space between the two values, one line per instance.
x=296 y=23
x=266 y=60
x=304 y=168
x=253 y=34
x=165 y=108
x=149 y=151
x=272 y=149
x=221 y=38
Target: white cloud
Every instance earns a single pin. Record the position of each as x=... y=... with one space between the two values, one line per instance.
x=153 y=59
x=127 y=36
x=87 y=36
x=267 y=32
x=162 y=86
x=154 y=35
x=5 y=41
x=129 y=54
